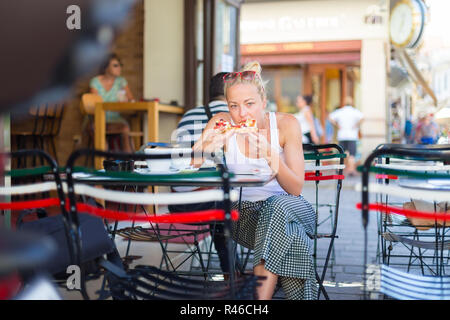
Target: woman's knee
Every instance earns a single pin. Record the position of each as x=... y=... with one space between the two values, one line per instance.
x=277 y=206
x=293 y=288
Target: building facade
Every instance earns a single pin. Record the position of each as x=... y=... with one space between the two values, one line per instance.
x=327 y=48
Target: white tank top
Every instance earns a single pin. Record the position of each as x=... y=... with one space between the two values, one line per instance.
x=237 y=162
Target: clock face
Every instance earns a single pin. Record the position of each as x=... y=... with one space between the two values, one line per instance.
x=401 y=24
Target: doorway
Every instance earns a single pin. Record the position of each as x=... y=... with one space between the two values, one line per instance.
x=283 y=85
x=328 y=84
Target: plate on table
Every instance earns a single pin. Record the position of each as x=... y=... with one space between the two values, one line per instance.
x=189 y=169
x=81 y=175
x=150 y=171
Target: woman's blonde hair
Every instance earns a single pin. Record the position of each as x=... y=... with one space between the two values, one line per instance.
x=257 y=80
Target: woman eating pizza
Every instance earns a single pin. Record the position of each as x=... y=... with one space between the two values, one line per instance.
x=275 y=220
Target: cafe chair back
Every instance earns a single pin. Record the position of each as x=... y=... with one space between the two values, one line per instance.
x=145 y=282
x=46 y=124
x=324 y=165
x=411 y=187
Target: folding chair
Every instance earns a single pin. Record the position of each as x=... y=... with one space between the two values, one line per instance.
x=64 y=229
x=149 y=282
x=33 y=138
x=318 y=160
x=400 y=168
x=52 y=126
x=190 y=241
x=398 y=236
x=41 y=188
x=321 y=165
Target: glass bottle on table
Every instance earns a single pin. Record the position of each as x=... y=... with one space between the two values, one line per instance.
x=122 y=96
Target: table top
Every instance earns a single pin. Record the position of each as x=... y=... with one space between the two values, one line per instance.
x=426 y=184
x=174 y=179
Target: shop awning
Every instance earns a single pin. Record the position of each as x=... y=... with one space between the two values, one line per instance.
x=408 y=63
x=285 y=59
x=315 y=52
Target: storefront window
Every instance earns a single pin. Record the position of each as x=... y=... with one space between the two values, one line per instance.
x=282 y=87
x=225 y=37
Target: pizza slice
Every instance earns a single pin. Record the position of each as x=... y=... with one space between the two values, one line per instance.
x=223 y=126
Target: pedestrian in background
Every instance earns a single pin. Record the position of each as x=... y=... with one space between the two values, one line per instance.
x=409 y=131
x=428 y=131
x=348 y=119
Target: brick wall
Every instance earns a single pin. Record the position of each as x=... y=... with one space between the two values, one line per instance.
x=129 y=46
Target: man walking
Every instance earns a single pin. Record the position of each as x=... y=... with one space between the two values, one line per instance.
x=348 y=120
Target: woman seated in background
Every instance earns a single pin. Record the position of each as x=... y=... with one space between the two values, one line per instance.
x=112 y=87
x=275 y=220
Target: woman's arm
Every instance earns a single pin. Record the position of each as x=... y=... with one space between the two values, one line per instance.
x=291 y=171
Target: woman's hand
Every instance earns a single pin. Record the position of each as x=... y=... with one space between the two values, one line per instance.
x=211 y=142
x=259 y=147
x=214 y=141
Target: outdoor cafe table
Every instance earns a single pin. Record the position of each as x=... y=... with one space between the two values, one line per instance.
x=153 y=109
x=194 y=179
x=177 y=179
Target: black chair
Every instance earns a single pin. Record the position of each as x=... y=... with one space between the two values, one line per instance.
x=65 y=230
x=52 y=126
x=320 y=155
x=46 y=119
x=31 y=138
x=44 y=179
x=403 y=172
x=149 y=282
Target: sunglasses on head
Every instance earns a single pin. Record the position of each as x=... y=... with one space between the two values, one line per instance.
x=245 y=75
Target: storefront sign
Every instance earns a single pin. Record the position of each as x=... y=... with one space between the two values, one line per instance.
x=318 y=20
x=290 y=23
